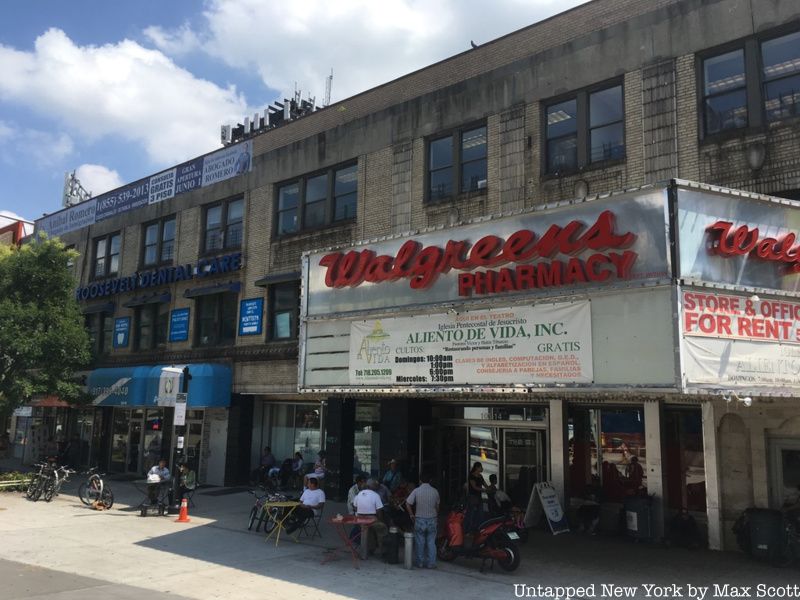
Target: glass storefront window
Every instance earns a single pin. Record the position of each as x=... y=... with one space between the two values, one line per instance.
x=153 y=438
x=367 y=438
x=484 y=447
x=607 y=452
x=501 y=413
x=684 y=460
x=307 y=432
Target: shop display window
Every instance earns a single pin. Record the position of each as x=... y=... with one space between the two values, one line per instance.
x=607 y=453
x=367 y=438
x=684 y=459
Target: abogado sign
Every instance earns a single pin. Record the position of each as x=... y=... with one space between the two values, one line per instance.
x=517 y=345
x=617 y=240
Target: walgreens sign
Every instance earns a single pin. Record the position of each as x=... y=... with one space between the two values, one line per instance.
x=591 y=244
x=554 y=250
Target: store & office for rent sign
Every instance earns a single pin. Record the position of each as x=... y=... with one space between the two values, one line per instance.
x=516 y=345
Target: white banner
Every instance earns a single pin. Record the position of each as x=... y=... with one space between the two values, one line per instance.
x=169 y=384
x=516 y=345
x=740 y=317
x=741 y=364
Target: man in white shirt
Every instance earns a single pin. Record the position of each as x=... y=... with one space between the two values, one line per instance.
x=157 y=476
x=311 y=502
x=368 y=504
x=353 y=492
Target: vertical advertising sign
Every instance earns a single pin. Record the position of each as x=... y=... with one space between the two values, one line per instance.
x=250 y=316
x=122 y=328
x=227 y=163
x=162 y=186
x=179 y=325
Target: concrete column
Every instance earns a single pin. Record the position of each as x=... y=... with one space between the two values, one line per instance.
x=655 y=464
x=559 y=457
x=713 y=489
x=758 y=451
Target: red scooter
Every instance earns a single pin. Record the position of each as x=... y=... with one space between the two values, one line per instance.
x=491 y=542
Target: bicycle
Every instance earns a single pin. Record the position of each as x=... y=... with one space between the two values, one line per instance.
x=94 y=490
x=259 y=512
x=37 y=483
x=53 y=483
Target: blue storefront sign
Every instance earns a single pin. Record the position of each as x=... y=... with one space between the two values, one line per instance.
x=179 y=325
x=250 y=316
x=122 y=328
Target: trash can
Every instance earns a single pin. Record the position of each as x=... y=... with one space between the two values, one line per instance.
x=766 y=532
x=391 y=546
x=638 y=517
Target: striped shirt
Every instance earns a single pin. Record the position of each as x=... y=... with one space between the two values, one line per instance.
x=426 y=501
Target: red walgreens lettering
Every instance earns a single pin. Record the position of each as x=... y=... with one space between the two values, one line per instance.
x=740 y=241
x=421 y=266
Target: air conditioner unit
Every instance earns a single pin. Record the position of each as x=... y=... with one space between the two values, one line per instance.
x=246 y=125
x=481 y=184
x=256 y=122
x=225 y=133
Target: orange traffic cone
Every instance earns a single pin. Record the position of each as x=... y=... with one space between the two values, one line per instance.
x=183 y=517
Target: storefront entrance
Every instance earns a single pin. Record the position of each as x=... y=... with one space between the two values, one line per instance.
x=137 y=441
x=784 y=471
x=514 y=451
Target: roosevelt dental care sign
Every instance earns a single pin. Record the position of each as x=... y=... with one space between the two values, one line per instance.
x=549 y=343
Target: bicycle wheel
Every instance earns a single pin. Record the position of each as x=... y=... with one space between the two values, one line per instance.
x=107 y=498
x=31 y=493
x=252 y=519
x=83 y=493
x=269 y=525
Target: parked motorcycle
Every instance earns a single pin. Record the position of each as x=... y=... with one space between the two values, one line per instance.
x=493 y=541
x=515 y=522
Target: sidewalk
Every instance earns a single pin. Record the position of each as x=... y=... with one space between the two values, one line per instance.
x=215 y=556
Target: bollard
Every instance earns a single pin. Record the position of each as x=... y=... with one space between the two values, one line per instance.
x=408 y=549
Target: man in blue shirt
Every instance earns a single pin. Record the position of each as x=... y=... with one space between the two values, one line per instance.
x=393 y=477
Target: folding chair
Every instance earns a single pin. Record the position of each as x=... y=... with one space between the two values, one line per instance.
x=189 y=495
x=310 y=527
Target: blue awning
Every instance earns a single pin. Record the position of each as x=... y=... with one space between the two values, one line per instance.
x=148 y=386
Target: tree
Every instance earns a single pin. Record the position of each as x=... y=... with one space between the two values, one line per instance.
x=42 y=337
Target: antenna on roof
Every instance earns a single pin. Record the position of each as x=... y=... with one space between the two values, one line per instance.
x=74 y=192
x=328 y=85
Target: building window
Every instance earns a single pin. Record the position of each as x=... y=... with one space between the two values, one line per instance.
x=100 y=327
x=216 y=319
x=751 y=85
x=106 y=255
x=781 y=76
x=724 y=92
x=224 y=225
x=283 y=309
x=159 y=242
x=457 y=163
x=586 y=129
x=151 y=326
x=317 y=200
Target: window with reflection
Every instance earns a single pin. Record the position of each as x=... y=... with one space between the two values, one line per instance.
x=606 y=125
x=158 y=245
x=781 y=76
x=457 y=163
x=317 y=200
x=724 y=92
x=562 y=136
x=106 y=255
x=224 y=225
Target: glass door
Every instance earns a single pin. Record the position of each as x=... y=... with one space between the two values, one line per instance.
x=194 y=439
x=523 y=463
x=135 y=442
x=785 y=472
x=119 y=441
x=454 y=470
x=427 y=450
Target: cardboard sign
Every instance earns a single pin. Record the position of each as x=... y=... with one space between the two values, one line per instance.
x=180 y=409
x=544 y=499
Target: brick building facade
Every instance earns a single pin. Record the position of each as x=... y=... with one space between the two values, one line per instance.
x=609 y=96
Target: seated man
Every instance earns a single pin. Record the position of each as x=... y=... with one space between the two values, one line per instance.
x=187 y=482
x=368 y=504
x=311 y=503
x=353 y=492
x=157 y=476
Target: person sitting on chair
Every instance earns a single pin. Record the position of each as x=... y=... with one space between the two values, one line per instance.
x=156 y=477
x=311 y=503
x=187 y=482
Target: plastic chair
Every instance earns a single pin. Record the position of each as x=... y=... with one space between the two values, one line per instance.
x=312 y=525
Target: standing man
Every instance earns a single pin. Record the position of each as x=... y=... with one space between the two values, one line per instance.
x=368 y=504
x=393 y=477
x=425 y=500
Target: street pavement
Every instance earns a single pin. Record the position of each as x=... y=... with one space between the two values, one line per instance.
x=65 y=550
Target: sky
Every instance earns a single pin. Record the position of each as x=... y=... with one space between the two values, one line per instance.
x=116 y=91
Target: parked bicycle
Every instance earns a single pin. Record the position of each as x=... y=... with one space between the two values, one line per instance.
x=39 y=479
x=53 y=482
x=94 y=490
x=260 y=514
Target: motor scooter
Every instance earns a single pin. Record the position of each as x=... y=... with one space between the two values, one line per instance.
x=492 y=541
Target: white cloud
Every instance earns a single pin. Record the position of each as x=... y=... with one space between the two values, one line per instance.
x=98 y=179
x=44 y=148
x=122 y=90
x=6 y=131
x=175 y=43
x=365 y=42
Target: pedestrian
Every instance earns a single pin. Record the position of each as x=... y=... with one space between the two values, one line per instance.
x=425 y=500
x=475 y=488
